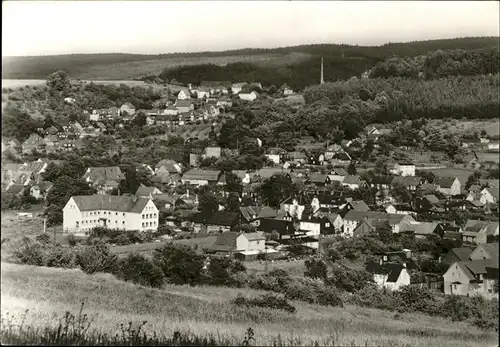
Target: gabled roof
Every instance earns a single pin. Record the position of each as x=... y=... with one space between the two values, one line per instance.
x=352 y=179
x=33 y=166
x=431 y=198
x=445 y=182
x=171 y=165
x=317 y=178
x=490 y=182
x=202 y=175
x=359 y=205
x=477 y=225
x=222 y=218
x=372 y=215
x=392 y=270
x=124 y=203
x=476 y=267
x=339 y=171
x=145 y=191
x=184 y=103
x=105 y=173
x=462 y=253
x=493 y=191
x=406 y=181
x=269 y=172
x=281 y=226
x=43 y=186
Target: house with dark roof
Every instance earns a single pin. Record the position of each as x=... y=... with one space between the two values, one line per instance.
x=239 y=245
x=353 y=182
x=409 y=182
x=477 y=231
x=146 y=192
x=420 y=230
x=318 y=179
x=353 y=218
x=389 y=275
x=354 y=205
x=457 y=254
x=40 y=190
x=127 y=212
x=219 y=221
x=489 y=195
x=201 y=177
x=166 y=167
x=252 y=214
x=282 y=226
x=448 y=185
x=474 y=275
x=186 y=105
x=105 y=178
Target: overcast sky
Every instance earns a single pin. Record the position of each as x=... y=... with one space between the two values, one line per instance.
x=57 y=27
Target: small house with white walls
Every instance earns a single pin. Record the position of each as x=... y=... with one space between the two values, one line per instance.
x=183 y=95
x=389 y=275
x=248 y=96
x=404 y=169
x=127 y=212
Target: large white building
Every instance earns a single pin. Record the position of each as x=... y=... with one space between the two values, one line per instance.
x=83 y=213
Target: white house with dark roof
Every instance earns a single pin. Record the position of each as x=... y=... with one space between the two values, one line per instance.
x=83 y=213
x=201 y=177
x=448 y=185
x=104 y=179
x=353 y=218
x=389 y=275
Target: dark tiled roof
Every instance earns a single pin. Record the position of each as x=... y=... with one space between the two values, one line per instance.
x=382 y=216
x=106 y=173
x=445 y=182
x=281 y=226
x=391 y=269
x=145 y=191
x=359 y=205
x=462 y=253
x=208 y=175
x=406 y=181
x=122 y=203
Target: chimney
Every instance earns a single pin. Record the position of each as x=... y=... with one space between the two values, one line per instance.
x=404 y=265
x=187 y=193
x=381 y=261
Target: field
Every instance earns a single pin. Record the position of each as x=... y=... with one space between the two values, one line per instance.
x=15 y=229
x=492 y=127
x=47 y=293
x=121 y=69
x=14 y=84
x=148 y=247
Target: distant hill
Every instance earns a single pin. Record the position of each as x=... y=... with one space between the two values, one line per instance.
x=118 y=66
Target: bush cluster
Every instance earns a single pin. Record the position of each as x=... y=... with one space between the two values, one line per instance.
x=268 y=301
x=310 y=290
x=477 y=310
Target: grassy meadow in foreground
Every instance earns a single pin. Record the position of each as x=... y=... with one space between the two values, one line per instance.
x=49 y=292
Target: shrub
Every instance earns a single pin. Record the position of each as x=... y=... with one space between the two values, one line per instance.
x=44 y=238
x=349 y=280
x=180 y=264
x=316 y=268
x=72 y=240
x=220 y=271
x=140 y=270
x=30 y=252
x=268 y=301
x=417 y=299
x=59 y=256
x=96 y=258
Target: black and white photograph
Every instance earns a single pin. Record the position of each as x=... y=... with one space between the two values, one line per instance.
x=250 y=173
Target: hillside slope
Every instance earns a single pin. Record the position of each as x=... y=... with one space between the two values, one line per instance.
x=49 y=292
x=126 y=66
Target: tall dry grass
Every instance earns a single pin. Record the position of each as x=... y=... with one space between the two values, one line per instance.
x=47 y=292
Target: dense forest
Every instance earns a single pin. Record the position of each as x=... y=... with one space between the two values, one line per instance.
x=441 y=63
x=347 y=57
x=434 y=64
